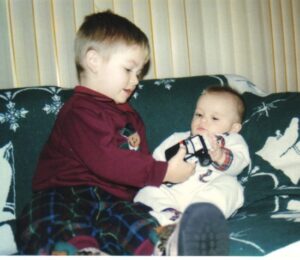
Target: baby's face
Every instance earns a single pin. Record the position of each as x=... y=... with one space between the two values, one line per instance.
x=215 y=113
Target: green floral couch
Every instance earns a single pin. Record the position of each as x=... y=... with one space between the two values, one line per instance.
x=270 y=218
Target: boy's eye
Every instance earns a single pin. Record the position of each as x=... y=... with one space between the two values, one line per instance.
x=139 y=74
x=198 y=115
x=215 y=118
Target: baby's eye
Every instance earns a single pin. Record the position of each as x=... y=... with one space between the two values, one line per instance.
x=198 y=115
x=215 y=118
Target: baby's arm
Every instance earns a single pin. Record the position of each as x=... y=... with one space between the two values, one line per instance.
x=232 y=156
x=217 y=153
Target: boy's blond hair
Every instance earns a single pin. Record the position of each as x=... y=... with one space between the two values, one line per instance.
x=103 y=32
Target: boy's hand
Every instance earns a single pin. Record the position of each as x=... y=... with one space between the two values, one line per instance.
x=179 y=170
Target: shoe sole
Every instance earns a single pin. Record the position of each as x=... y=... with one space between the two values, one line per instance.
x=203 y=231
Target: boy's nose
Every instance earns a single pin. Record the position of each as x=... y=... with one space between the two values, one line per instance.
x=134 y=80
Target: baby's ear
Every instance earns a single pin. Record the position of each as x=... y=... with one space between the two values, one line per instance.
x=236 y=127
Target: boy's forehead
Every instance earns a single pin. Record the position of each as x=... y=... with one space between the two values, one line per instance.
x=109 y=50
x=134 y=54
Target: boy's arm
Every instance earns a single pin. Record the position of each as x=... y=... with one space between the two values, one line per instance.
x=159 y=152
x=178 y=170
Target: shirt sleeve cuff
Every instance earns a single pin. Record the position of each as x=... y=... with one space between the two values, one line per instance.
x=227 y=161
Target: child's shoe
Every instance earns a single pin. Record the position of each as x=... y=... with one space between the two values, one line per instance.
x=202 y=231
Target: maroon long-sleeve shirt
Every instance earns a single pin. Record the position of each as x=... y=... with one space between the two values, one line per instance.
x=86 y=147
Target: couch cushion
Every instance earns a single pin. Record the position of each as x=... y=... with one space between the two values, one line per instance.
x=272 y=131
x=271 y=214
x=265 y=226
x=7 y=200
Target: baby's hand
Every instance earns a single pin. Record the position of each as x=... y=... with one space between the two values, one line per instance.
x=179 y=170
x=216 y=152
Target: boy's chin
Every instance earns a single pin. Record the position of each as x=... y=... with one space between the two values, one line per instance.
x=121 y=101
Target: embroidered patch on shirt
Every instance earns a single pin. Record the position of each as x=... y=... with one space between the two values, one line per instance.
x=132 y=137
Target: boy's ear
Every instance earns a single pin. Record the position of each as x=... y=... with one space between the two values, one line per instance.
x=92 y=60
x=236 y=127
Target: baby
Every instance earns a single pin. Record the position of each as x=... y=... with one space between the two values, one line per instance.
x=218 y=118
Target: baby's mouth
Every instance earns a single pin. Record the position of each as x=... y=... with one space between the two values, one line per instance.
x=200 y=129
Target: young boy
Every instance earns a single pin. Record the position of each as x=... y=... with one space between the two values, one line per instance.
x=87 y=176
x=217 y=117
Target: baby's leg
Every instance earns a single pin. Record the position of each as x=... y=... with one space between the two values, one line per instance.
x=225 y=192
x=163 y=202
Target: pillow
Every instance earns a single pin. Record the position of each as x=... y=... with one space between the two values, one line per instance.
x=7 y=200
x=271 y=129
x=243 y=84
